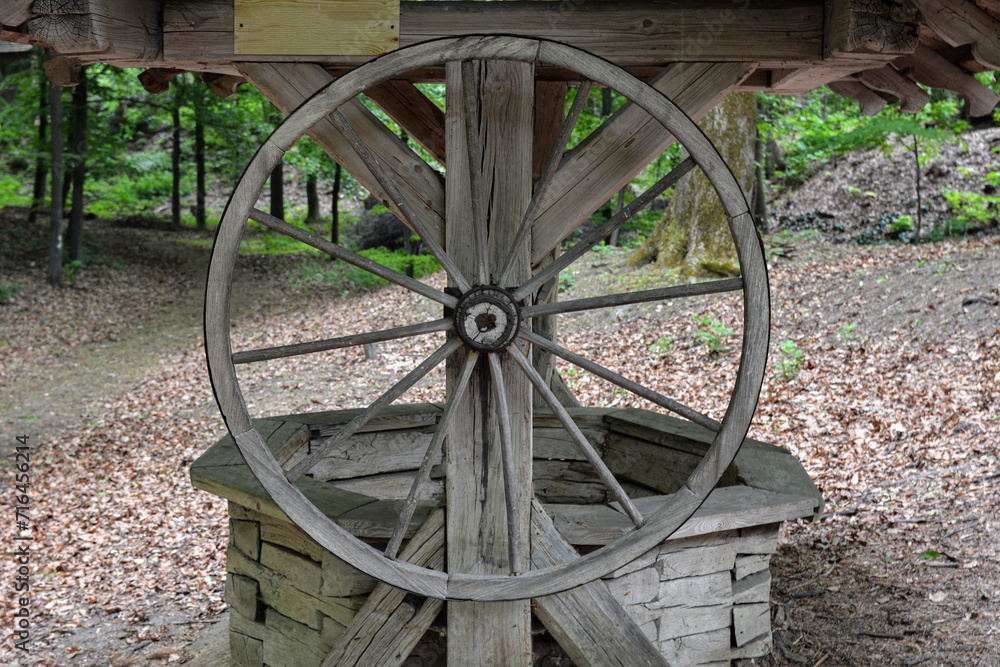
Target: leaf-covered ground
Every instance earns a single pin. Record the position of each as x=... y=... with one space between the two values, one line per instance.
x=894 y=410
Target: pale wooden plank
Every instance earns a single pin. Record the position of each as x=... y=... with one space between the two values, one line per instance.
x=385 y=630
x=288 y=85
x=750 y=621
x=376 y=520
x=622 y=147
x=477 y=531
x=303 y=27
x=373 y=453
x=587 y=621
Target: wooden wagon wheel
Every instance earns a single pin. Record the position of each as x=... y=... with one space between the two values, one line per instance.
x=492 y=316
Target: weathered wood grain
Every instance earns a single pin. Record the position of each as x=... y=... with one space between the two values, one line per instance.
x=477 y=514
x=288 y=85
x=928 y=67
x=912 y=97
x=422 y=120
x=385 y=630
x=587 y=621
x=863 y=28
x=959 y=22
x=871 y=102
x=750 y=621
x=115 y=29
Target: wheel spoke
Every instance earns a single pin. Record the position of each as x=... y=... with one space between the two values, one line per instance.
x=367 y=338
x=383 y=401
x=614 y=488
x=509 y=478
x=602 y=232
x=474 y=153
x=623 y=382
x=610 y=300
x=551 y=165
x=353 y=258
x=392 y=190
x=424 y=472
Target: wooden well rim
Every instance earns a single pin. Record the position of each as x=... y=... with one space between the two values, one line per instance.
x=764 y=485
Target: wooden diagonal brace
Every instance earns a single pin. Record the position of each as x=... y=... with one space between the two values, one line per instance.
x=930 y=68
x=622 y=147
x=386 y=628
x=587 y=621
x=287 y=85
x=886 y=79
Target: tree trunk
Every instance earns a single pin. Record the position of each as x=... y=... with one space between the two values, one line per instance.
x=278 y=192
x=199 y=159
x=335 y=208
x=175 y=166
x=759 y=204
x=56 y=209
x=41 y=173
x=79 y=168
x=694 y=231
x=312 y=198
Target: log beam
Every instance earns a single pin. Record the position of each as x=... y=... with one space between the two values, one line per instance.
x=961 y=22
x=928 y=67
x=866 y=28
x=15 y=12
x=111 y=29
x=912 y=98
x=871 y=102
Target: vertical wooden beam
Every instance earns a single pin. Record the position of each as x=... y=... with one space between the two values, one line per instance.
x=550 y=110
x=494 y=633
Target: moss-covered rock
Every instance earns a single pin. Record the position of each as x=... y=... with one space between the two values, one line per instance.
x=694 y=231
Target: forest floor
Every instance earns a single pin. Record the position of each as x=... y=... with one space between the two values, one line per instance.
x=894 y=409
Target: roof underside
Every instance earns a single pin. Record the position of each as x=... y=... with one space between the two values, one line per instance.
x=873 y=51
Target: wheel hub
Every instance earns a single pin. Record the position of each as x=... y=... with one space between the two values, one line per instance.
x=487 y=318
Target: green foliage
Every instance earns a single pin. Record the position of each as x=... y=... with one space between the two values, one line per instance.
x=710 y=333
x=814 y=127
x=72 y=270
x=972 y=206
x=900 y=225
x=566 y=280
x=846 y=333
x=929 y=554
x=663 y=347
x=789 y=359
x=341 y=276
x=8 y=291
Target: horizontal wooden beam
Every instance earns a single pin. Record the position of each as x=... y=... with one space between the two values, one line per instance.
x=863 y=28
x=652 y=32
x=15 y=12
x=912 y=98
x=871 y=102
x=114 y=29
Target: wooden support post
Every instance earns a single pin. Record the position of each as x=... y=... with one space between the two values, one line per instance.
x=492 y=633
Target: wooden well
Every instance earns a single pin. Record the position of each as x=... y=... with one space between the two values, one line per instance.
x=701 y=597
